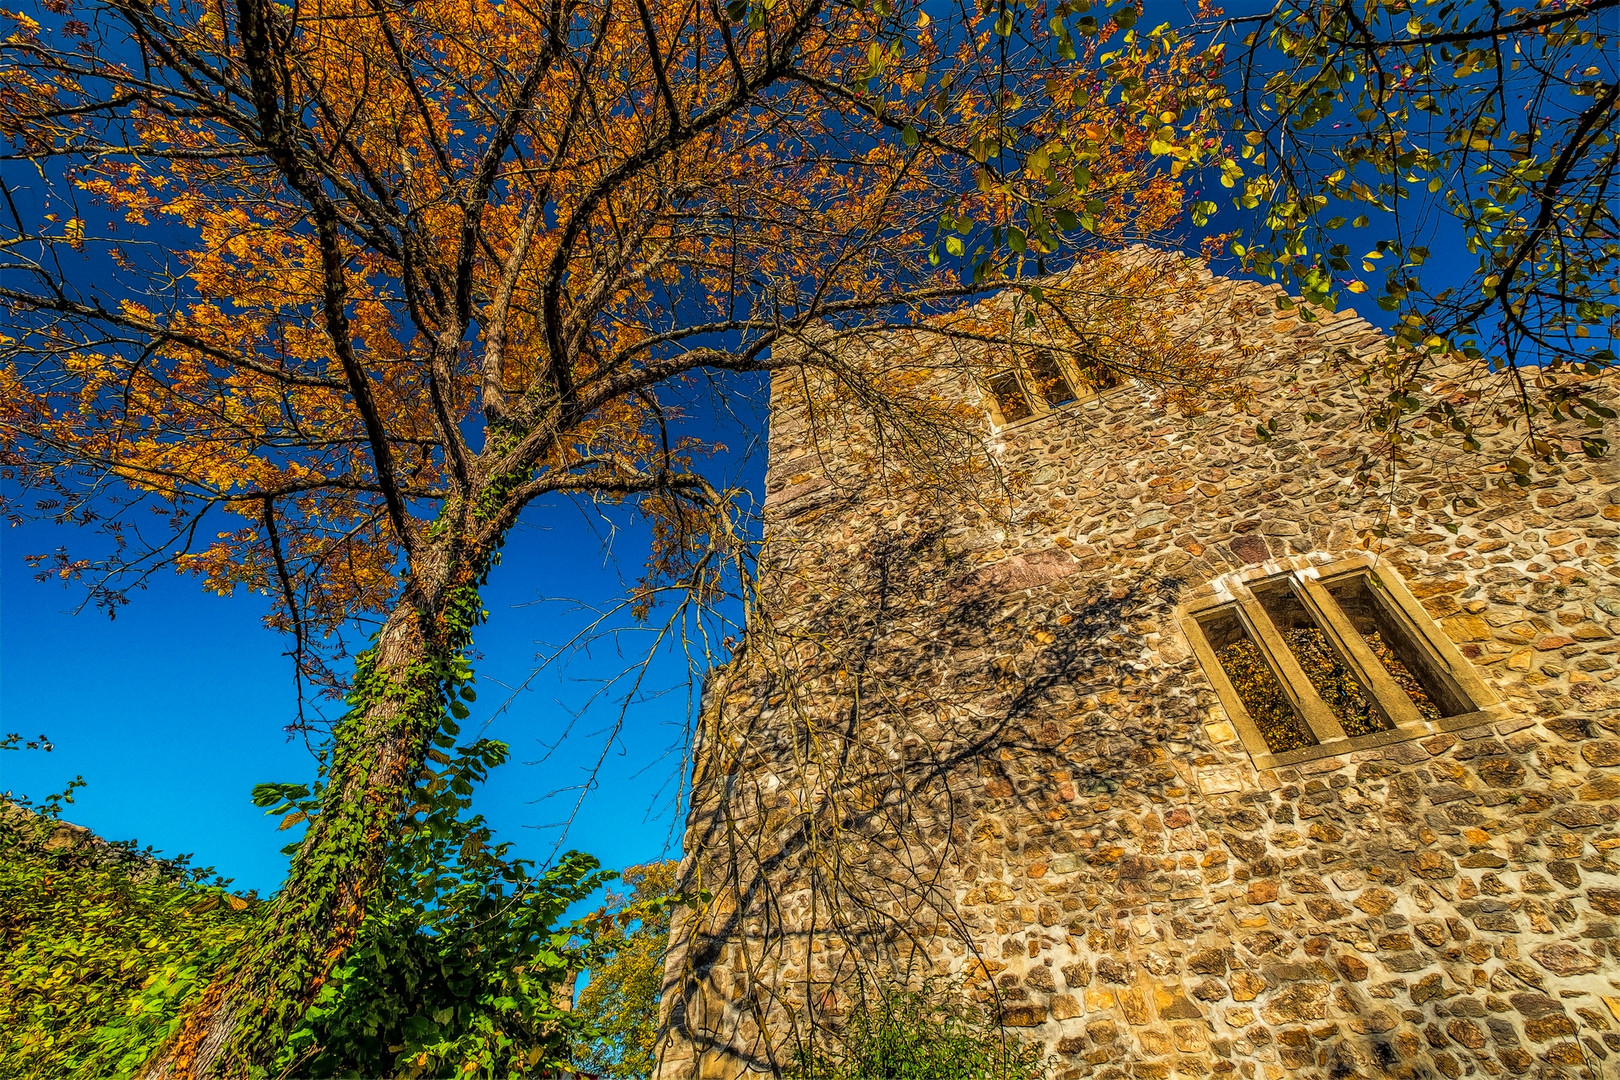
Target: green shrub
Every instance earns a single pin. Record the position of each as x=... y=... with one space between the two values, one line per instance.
x=931 y=1033
x=99 y=947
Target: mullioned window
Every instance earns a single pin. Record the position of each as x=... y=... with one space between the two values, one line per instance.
x=1043 y=380
x=1329 y=658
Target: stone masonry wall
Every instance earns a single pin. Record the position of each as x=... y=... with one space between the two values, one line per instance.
x=967 y=736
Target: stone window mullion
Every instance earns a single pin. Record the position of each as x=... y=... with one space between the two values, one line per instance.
x=1432 y=641
x=1029 y=386
x=1231 y=700
x=1295 y=683
x=1364 y=664
x=1329 y=656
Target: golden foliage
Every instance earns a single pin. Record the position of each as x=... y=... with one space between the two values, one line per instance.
x=352 y=267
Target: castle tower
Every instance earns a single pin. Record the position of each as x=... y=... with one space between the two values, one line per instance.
x=1178 y=750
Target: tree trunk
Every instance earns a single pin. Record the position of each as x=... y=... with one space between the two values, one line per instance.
x=244 y=1016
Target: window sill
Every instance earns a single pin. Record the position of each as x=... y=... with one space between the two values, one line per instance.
x=1406 y=733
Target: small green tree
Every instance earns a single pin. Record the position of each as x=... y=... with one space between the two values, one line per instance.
x=929 y=1033
x=620 y=1003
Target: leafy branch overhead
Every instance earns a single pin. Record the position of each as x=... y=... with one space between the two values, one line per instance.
x=1391 y=117
x=1459 y=158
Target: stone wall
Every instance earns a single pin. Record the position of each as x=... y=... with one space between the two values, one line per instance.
x=966 y=735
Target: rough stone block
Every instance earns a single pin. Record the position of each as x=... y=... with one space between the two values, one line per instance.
x=1263 y=891
x=1246 y=985
x=1065 y=1007
x=1601 y=753
x=1543 y=1028
x=1025 y=1015
x=1563 y=959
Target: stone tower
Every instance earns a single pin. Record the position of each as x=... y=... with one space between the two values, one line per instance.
x=1171 y=746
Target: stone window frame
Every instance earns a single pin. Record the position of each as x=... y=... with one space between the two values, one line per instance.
x=1017 y=366
x=1309 y=580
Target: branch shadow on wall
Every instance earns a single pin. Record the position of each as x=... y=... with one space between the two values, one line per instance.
x=842 y=799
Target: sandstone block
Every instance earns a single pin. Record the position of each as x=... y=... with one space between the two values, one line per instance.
x=1208 y=961
x=1532 y=1005
x=1562 y=959
x=1429 y=988
x=1374 y=1022
x=1501 y=772
x=1065 y=1007
x=1431 y=933
x=1352 y=967
x=1543 y=1028
x=1601 y=753
x=1600 y=789
x=1577 y=817
x=1262 y=891
x=1102 y=1031
x=1325 y=910
x=1433 y=864
x=1604 y=900
x=1246 y=986
x=1172 y=1004
x=1470 y=628
x=1376 y=900
x=1466 y=1033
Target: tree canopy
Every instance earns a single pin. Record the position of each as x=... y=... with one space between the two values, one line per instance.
x=619 y=1006
x=1456 y=162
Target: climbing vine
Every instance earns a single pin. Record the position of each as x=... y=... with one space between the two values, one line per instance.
x=461 y=964
x=453 y=962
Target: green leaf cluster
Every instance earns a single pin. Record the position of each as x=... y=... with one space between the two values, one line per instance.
x=1491 y=127
x=466 y=966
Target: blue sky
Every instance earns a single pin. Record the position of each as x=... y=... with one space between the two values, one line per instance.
x=173 y=711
